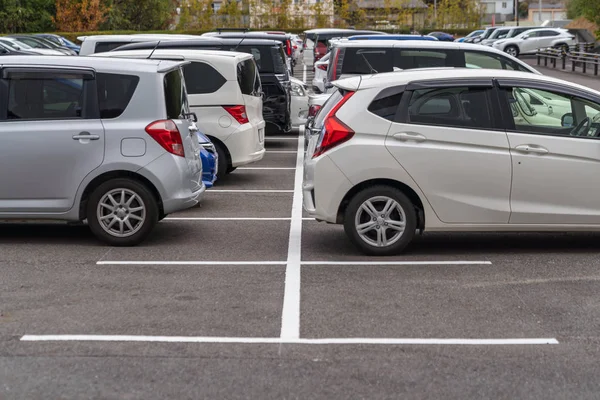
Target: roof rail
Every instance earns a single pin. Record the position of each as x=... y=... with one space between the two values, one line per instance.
x=233 y=30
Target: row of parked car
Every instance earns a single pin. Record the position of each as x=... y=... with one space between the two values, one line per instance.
x=123 y=144
x=419 y=135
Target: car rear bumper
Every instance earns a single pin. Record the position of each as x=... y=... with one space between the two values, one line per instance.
x=246 y=145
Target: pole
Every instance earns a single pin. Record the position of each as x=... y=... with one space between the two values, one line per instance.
x=435 y=12
x=540 y=10
x=517 y=11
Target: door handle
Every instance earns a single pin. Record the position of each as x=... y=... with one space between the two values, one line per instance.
x=406 y=136
x=528 y=148
x=86 y=136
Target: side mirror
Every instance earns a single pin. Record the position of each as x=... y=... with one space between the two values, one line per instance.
x=525 y=37
x=567 y=120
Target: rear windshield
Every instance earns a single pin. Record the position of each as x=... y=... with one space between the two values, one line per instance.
x=367 y=60
x=103 y=47
x=269 y=59
x=114 y=93
x=175 y=95
x=248 y=79
x=329 y=104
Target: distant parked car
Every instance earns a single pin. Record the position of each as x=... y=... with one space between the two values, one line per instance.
x=209 y=157
x=487 y=32
x=443 y=156
x=443 y=36
x=103 y=43
x=17 y=45
x=60 y=40
x=93 y=139
x=505 y=33
x=38 y=42
x=392 y=37
x=299 y=104
x=470 y=36
x=530 y=41
x=320 y=77
x=9 y=51
x=320 y=38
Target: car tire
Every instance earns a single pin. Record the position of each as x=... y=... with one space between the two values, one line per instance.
x=401 y=214
x=128 y=198
x=562 y=47
x=223 y=161
x=231 y=169
x=512 y=50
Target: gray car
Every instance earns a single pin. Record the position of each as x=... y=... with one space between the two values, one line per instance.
x=97 y=140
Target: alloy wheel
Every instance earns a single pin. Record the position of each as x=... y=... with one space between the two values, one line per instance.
x=380 y=221
x=121 y=212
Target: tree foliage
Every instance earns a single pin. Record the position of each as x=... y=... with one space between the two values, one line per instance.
x=79 y=15
x=588 y=9
x=26 y=15
x=138 y=15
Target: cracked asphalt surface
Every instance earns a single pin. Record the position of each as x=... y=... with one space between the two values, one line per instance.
x=536 y=286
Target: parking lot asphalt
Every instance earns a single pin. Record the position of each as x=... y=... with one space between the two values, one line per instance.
x=242 y=298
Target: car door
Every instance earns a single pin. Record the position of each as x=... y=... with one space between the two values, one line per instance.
x=546 y=38
x=531 y=42
x=51 y=135
x=555 y=164
x=445 y=138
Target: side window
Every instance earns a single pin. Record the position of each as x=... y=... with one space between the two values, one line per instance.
x=482 y=60
x=455 y=106
x=175 y=95
x=247 y=78
x=201 y=78
x=549 y=33
x=103 y=47
x=34 y=96
x=114 y=93
x=385 y=104
x=552 y=113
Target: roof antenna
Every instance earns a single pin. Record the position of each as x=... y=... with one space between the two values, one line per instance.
x=152 y=52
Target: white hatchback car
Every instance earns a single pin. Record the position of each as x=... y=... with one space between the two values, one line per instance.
x=531 y=40
x=454 y=150
x=225 y=93
x=320 y=70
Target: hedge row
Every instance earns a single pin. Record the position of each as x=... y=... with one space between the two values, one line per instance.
x=73 y=35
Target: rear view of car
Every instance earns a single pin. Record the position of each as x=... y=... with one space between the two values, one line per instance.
x=110 y=143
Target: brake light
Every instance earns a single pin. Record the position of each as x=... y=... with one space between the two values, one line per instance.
x=238 y=112
x=166 y=133
x=335 y=65
x=313 y=110
x=322 y=67
x=288 y=47
x=335 y=132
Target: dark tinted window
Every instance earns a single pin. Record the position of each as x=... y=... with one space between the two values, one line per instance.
x=33 y=98
x=386 y=103
x=248 y=79
x=202 y=78
x=102 y=47
x=269 y=59
x=456 y=107
x=367 y=60
x=174 y=95
x=114 y=93
x=434 y=58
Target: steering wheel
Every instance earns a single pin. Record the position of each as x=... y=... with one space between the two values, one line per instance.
x=582 y=128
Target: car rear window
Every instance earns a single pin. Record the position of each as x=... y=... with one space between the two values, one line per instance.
x=201 y=78
x=175 y=95
x=367 y=60
x=114 y=93
x=248 y=79
x=269 y=59
x=431 y=58
x=103 y=47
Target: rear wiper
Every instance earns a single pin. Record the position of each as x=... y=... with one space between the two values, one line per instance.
x=373 y=70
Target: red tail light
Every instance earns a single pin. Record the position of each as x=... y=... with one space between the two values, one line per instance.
x=313 y=110
x=165 y=132
x=322 y=67
x=335 y=65
x=288 y=47
x=335 y=132
x=238 y=112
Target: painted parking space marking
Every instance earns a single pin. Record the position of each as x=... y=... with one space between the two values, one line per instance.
x=290 y=314
x=248 y=191
x=233 y=219
x=283 y=340
x=266 y=168
x=385 y=263
x=283 y=151
x=151 y=262
x=312 y=263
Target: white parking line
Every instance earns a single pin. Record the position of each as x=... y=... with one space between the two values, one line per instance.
x=267 y=168
x=191 y=263
x=290 y=314
x=284 y=151
x=383 y=263
x=248 y=191
x=281 y=340
x=281 y=138
x=233 y=219
x=304 y=73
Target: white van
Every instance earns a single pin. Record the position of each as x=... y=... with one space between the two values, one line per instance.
x=225 y=92
x=102 y=43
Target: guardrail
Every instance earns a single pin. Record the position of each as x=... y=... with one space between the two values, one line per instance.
x=579 y=55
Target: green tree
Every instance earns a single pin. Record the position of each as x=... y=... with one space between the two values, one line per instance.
x=26 y=16
x=141 y=15
x=589 y=9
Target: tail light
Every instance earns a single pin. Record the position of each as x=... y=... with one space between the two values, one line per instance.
x=335 y=132
x=335 y=65
x=238 y=112
x=313 y=110
x=322 y=67
x=288 y=47
x=166 y=133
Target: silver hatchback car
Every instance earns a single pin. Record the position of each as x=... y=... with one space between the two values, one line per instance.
x=92 y=139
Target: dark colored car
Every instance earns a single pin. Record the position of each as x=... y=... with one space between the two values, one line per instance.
x=284 y=38
x=442 y=36
x=270 y=59
x=59 y=40
x=41 y=43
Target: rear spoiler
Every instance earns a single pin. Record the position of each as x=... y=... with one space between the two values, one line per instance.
x=168 y=66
